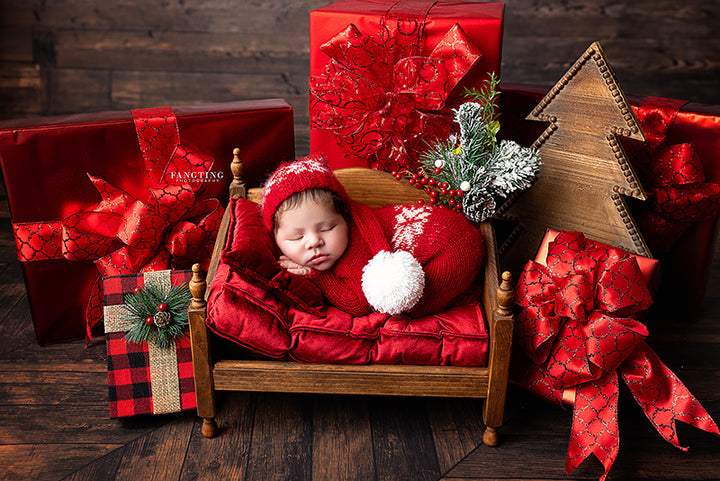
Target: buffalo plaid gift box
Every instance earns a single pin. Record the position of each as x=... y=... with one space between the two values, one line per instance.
x=144 y=378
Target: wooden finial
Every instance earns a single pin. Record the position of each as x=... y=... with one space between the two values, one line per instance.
x=197 y=287
x=505 y=295
x=236 y=167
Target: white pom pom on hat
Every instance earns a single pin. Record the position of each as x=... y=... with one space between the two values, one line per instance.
x=393 y=282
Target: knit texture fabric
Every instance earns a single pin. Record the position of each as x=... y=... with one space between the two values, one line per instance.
x=449 y=248
x=293 y=177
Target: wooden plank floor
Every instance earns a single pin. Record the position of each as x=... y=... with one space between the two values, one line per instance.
x=55 y=425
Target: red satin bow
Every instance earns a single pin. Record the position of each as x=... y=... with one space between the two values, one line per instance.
x=678 y=194
x=123 y=235
x=381 y=96
x=574 y=325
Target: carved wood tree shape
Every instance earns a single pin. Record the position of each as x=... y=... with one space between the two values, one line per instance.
x=584 y=173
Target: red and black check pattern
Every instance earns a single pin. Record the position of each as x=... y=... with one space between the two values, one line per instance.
x=129 y=383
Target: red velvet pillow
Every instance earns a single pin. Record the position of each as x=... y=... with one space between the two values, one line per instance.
x=455 y=337
x=251 y=251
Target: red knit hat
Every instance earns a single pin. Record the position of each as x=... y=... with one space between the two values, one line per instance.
x=311 y=172
x=390 y=250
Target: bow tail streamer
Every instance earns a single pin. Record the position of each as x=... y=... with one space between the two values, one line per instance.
x=662 y=396
x=595 y=423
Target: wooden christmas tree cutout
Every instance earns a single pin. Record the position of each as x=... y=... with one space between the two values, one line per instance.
x=585 y=172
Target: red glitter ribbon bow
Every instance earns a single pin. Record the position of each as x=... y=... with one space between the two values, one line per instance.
x=123 y=235
x=574 y=325
x=381 y=96
x=678 y=194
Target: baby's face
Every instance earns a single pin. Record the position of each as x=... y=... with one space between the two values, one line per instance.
x=312 y=234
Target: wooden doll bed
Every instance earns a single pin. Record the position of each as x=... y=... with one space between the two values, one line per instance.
x=375 y=189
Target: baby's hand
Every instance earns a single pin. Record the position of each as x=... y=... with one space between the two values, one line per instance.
x=292 y=267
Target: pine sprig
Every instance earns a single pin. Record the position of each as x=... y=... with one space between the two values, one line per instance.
x=468 y=171
x=487 y=96
x=144 y=304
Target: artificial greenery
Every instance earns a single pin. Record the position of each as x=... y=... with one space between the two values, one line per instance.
x=474 y=163
x=144 y=303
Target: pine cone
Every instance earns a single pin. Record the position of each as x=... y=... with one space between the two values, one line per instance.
x=162 y=318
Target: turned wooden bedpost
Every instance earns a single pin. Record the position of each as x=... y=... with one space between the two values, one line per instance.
x=202 y=364
x=500 y=349
x=237 y=186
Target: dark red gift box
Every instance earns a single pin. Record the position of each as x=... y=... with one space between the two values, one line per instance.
x=59 y=168
x=387 y=90
x=686 y=264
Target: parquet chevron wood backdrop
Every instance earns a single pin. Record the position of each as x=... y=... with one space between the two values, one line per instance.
x=67 y=56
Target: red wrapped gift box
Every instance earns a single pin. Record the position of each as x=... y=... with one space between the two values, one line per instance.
x=579 y=303
x=57 y=169
x=650 y=268
x=686 y=264
x=388 y=90
x=142 y=377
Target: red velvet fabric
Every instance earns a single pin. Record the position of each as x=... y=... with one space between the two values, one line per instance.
x=46 y=162
x=258 y=305
x=251 y=252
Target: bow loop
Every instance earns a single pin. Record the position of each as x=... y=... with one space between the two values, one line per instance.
x=677 y=164
x=621 y=287
x=142 y=227
x=113 y=199
x=89 y=235
x=610 y=340
x=678 y=194
x=569 y=253
x=574 y=296
x=538 y=323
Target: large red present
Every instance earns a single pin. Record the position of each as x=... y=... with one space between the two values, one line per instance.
x=680 y=166
x=147 y=377
x=385 y=74
x=122 y=192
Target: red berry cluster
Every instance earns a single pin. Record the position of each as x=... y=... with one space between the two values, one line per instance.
x=440 y=192
x=150 y=320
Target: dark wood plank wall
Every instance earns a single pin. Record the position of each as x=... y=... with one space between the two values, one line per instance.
x=67 y=56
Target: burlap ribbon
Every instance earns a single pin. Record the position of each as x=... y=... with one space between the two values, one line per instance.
x=163 y=363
